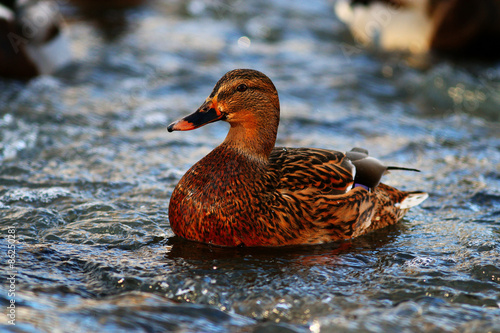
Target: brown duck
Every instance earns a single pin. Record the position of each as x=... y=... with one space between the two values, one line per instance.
x=246 y=192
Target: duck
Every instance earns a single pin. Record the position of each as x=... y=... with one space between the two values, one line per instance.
x=248 y=193
x=460 y=28
x=32 y=41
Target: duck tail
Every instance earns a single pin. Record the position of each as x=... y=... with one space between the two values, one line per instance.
x=413 y=199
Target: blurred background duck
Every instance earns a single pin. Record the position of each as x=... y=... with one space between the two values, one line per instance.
x=32 y=41
x=454 y=27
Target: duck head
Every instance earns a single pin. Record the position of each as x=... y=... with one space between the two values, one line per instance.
x=246 y=99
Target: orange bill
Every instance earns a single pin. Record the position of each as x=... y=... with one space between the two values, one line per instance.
x=207 y=113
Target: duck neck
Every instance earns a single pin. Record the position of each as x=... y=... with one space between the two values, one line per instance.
x=255 y=137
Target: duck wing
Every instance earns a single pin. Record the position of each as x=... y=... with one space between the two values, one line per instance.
x=296 y=169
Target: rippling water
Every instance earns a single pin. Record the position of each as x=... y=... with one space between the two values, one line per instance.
x=87 y=169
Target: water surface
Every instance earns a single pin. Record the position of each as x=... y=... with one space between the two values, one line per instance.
x=87 y=169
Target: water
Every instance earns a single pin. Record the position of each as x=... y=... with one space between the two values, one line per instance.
x=87 y=169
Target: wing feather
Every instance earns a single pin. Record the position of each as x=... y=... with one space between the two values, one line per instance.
x=319 y=170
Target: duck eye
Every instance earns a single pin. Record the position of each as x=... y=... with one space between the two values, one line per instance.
x=241 y=87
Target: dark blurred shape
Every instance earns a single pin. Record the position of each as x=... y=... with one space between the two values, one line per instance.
x=109 y=16
x=31 y=39
x=106 y=4
x=460 y=28
x=466 y=27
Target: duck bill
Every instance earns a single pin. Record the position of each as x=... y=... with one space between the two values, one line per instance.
x=207 y=113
